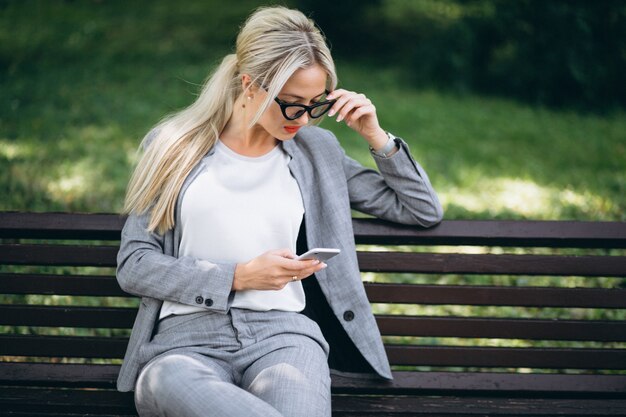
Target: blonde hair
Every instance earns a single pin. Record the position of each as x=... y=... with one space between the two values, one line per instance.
x=272 y=44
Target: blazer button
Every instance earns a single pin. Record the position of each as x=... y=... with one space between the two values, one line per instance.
x=208 y=302
x=348 y=315
x=199 y=300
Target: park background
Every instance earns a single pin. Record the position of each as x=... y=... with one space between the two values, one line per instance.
x=516 y=109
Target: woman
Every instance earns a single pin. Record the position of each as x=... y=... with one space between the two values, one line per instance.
x=228 y=323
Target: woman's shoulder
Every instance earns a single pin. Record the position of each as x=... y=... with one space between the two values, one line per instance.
x=315 y=138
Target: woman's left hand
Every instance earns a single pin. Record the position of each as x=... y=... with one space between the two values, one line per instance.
x=359 y=114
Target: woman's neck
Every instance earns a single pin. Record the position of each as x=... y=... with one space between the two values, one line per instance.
x=248 y=141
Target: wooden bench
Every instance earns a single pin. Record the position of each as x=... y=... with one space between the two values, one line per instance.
x=468 y=330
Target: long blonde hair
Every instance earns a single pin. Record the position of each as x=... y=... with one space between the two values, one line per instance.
x=273 y=43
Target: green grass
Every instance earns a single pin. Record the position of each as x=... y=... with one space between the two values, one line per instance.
x=83 y=81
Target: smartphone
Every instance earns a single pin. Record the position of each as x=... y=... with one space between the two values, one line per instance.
x=321 y=254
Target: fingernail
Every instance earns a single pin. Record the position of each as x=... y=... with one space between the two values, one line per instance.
x=315 y=262
x=330 y=113
x=324 y=266
x=339 y=118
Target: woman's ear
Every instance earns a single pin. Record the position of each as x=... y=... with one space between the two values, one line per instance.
x=246 y=83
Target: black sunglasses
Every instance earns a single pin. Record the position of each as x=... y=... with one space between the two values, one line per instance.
x=293 y=111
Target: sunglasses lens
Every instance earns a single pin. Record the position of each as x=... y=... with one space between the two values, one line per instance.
x=320 y=110
x=294 y=112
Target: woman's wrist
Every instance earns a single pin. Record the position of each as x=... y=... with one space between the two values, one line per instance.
x=389 y=148
x=378 y=140
x=239 y=272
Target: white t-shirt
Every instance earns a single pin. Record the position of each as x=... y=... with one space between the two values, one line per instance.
x=237 y=208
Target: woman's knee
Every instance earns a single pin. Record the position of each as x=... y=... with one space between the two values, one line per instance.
x=294 y=379
x=167 y=378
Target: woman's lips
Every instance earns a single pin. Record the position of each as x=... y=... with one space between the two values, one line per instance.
x=292 y=129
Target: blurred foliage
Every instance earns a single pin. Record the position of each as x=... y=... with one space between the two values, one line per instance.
x=82 y=81
x=559 y=52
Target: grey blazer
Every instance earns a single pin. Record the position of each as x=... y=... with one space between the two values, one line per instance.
x=331 y=184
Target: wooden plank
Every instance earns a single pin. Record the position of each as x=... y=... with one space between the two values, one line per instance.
x=47 y=413
x=474 y=407
x=98 y=285
x=484 y=383
x=105 y=256
x=63 y=346
x=570 y=234
x=59 y=374
x=449 y=232
x=483 y=327
x=58 y=255
x=404 y=382
x=454 y=263
x=48 y=284
x=61 y=225
x=497 y=328
x=504 y=357
x=110 y=347
x=51 y=400
x=68 y=316
x=76 y=401
x=496 y=296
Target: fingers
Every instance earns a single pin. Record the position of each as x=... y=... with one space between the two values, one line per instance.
x=295 y=270
x=303 y=273
x=346 y=100
x=303 y=268
x=350 y=106
x=360 y=112
x=273 y=270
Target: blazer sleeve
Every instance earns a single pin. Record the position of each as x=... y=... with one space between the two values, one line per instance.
x=401 y=192
x=144 y=269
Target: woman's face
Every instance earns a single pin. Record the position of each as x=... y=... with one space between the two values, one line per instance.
x=305 y=86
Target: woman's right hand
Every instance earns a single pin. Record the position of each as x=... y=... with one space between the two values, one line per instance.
x=273 y=270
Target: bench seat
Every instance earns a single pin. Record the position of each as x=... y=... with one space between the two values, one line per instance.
x=64 y=321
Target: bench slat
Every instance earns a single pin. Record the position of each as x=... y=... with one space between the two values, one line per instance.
x=48 y=284
x=74 y=402
x=482 y=327
x=444 y=263
x=496 y=296
x=68 y=316
x=471 y=407
x=63 y=346
x=449 y=232
x=50 y=400
x=404 y=382
x=100 y=285
x=58 y=255
x=114 y=347
x=553 y=358
x=453 y=263
x=61 y=225
x=56 y=374
x=446 y=383
x=566 y=234
x=485 y=327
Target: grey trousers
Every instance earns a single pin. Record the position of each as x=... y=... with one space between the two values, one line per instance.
x=244 y=363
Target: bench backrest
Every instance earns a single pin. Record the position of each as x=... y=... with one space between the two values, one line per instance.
x=460 y=299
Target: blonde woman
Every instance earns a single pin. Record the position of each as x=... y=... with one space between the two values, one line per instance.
x=224 y=196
